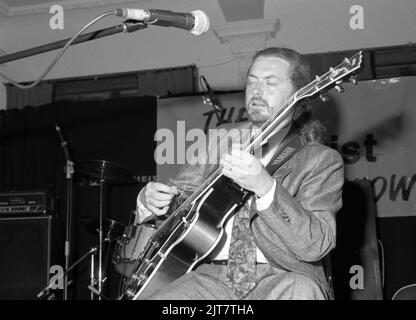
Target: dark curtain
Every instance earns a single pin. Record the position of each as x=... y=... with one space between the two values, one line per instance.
x=31 y=158
x=18 y=98
x=155 y=82
x=164 y=82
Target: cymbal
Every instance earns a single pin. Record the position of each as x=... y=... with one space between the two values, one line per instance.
x=112 y=230
x=104 y=170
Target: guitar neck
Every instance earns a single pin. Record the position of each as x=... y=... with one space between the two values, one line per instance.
x=331 y=78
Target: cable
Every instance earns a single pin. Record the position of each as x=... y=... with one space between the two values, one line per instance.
x=382 y=262
x=217 y=64
x=58 y=56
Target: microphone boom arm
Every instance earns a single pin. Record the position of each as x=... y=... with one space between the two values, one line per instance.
x=126 y=27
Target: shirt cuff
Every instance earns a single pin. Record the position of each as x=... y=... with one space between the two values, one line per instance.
x=265 y=201
x=142 y=213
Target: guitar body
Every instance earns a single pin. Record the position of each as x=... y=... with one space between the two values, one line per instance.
x=406 y=293
x=185 y=239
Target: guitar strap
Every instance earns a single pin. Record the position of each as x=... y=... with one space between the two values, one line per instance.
x=291 y=144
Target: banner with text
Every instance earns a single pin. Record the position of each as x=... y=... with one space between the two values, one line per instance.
x=371 y=124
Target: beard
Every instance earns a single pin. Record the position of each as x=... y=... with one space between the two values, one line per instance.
x=258 y=111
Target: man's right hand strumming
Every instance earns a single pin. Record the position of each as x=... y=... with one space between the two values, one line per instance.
x=156 y=197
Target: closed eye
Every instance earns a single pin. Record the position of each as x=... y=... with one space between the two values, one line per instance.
x=273 y=83
x=251 y=81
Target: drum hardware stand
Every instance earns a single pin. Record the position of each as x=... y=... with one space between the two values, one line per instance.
x=92 y=252
x=69 y=169
x=100 y=241
x=92 y=279
x=106 y=173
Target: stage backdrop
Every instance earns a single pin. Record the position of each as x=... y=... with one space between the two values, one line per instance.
x=370 y=124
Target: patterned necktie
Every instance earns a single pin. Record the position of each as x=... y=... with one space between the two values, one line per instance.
x=241 y=271
x=242 y=255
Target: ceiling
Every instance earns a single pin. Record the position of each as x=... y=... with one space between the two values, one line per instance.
x=247 y=9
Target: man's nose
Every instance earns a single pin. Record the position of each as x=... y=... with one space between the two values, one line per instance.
x=257 y=90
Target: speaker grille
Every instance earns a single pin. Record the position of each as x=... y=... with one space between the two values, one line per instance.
x=24 y=256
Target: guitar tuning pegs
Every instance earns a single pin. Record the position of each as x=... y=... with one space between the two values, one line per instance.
x=354 y=80
x=339 y=88
x=323 y=97
x=347 y=60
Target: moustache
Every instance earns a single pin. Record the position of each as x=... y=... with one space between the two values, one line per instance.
x=257 y=100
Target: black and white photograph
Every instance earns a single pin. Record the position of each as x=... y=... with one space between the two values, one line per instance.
x=215 y=156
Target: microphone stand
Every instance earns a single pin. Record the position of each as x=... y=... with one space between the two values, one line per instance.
x=92 y=252
x=126 y=27
x=69 y=170
x=212 y=100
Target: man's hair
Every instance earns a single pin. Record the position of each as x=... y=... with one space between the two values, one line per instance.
x=300 y=75
x=300 y=70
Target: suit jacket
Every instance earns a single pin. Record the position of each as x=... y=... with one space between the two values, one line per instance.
x=298 y=229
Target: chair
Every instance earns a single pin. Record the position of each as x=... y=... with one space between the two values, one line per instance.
x=356 y=254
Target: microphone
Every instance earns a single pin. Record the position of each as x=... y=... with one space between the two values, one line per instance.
x=214 y=101
x=196 y=22
x=64 y=144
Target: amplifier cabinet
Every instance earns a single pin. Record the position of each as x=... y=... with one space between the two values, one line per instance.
x=28 y=247
x=25 y=203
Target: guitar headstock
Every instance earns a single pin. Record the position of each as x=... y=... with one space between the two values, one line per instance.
x=333 y=78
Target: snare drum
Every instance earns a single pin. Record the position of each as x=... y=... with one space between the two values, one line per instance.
x=130 y=246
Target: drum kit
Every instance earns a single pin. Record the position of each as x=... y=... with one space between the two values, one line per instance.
x=129 y=241
x=126 y=242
